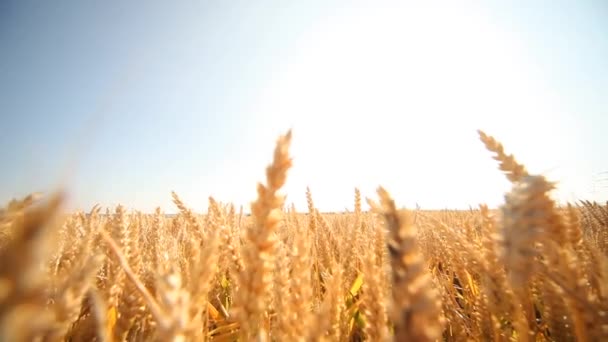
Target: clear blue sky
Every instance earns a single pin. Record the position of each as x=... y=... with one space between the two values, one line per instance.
x=124 y=101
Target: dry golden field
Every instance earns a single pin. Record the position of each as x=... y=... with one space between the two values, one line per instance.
x=528 y=271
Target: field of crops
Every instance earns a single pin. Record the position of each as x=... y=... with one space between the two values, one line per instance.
x=528 y=271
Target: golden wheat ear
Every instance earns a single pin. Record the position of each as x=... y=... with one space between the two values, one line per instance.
x=416 y=306
x=512 y=169
x=251 y=302
x=22 y=279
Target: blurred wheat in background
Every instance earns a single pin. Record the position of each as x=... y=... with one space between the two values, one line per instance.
x=528 y=271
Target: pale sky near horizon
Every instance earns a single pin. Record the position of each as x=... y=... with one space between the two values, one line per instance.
x=124 y=102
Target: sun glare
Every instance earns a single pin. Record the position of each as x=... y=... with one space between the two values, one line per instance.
x=407 y=89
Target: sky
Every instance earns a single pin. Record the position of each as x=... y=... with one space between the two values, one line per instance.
x=124 y=102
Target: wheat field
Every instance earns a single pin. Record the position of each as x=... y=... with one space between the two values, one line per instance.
x=530 y=270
